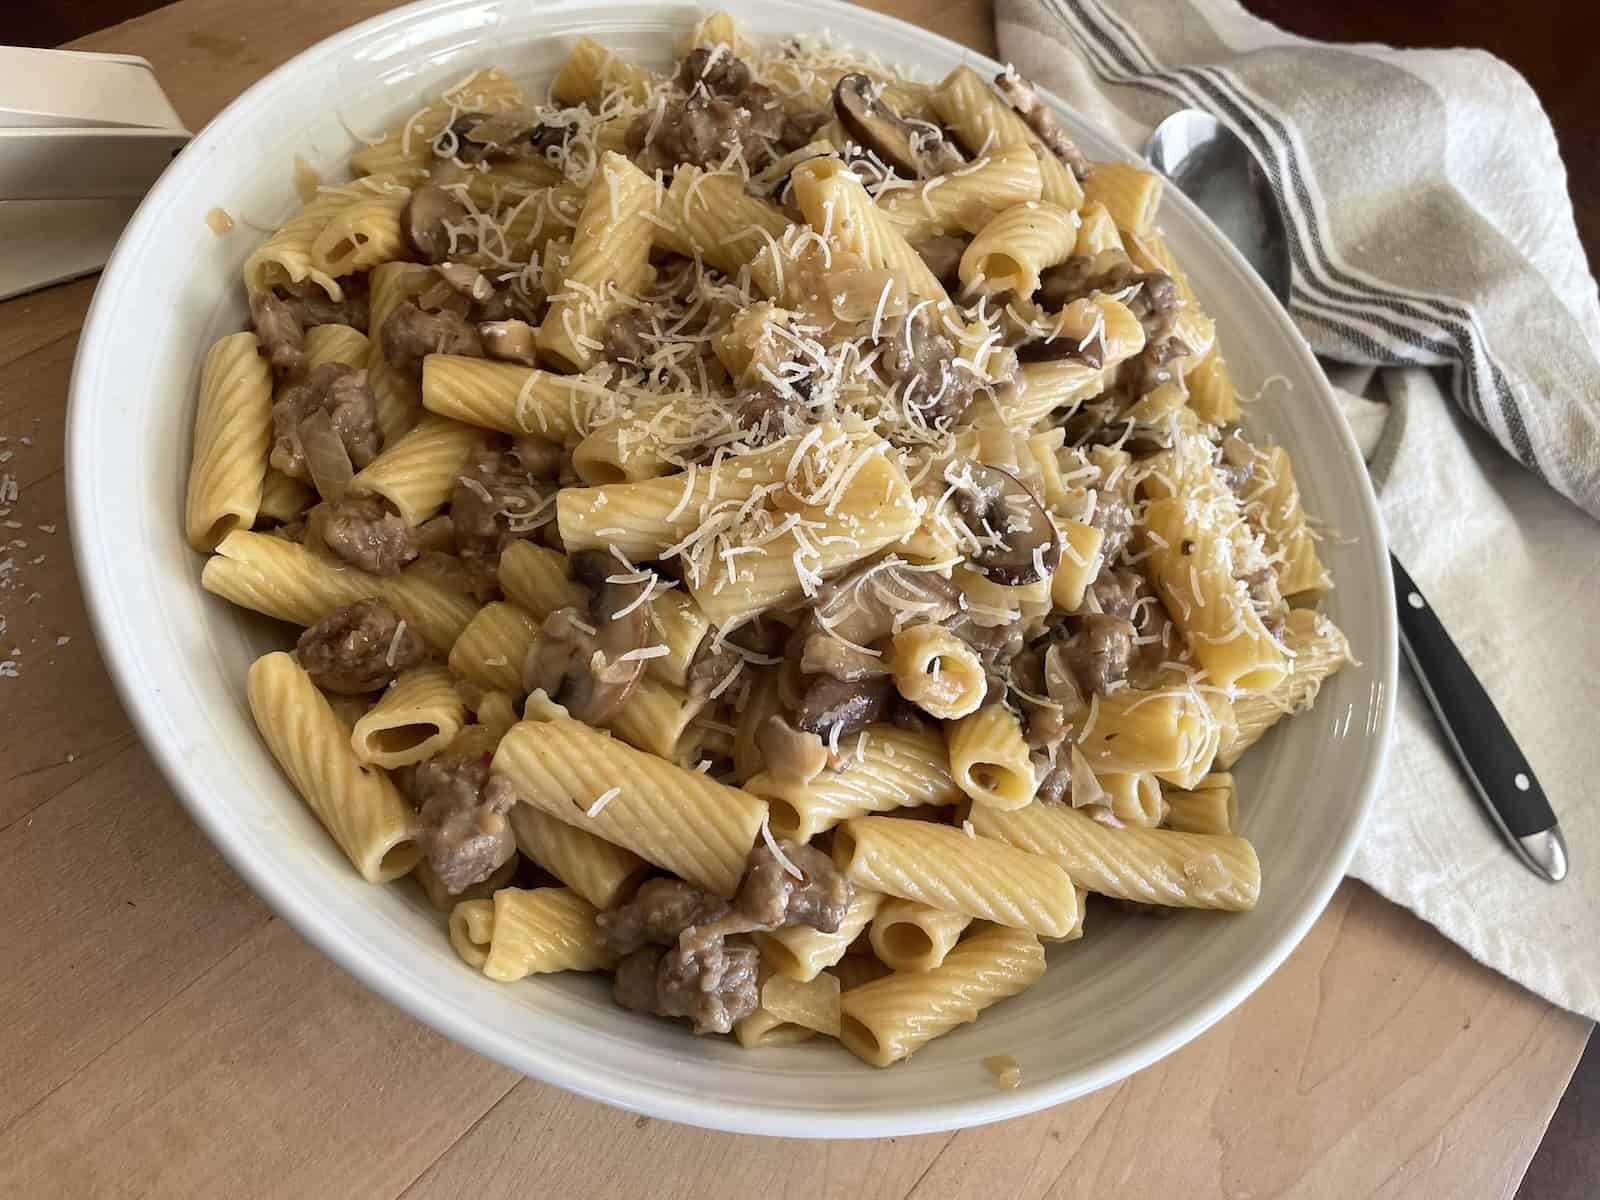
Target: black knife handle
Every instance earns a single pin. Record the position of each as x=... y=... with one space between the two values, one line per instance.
x=1484 y=746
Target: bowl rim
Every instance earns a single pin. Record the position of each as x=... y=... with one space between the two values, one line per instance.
x=547 y=1063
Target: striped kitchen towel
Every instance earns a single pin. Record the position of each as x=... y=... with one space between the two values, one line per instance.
x=1433 y=240
x=1426 y=202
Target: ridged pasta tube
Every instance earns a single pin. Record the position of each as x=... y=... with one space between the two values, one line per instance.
x=416 y=718
x=602 y=873
x=336 y=344
x=1134 y=798
x=892 y=768
x=982 y=121
x=937 y=671
x=530 y=932
x=517 y=400
x=907 y=936
x=415 y=474
x=1010 y=251
x=990 y=759
x=283 y=498
x=535 y=579
x=232 y=434
x=967 y=199
x=838 y=207
x=406 y=152
x=944 y=868
x=590 y=71
x=1320 y=650
x=285 y=257
x=1132 y=730
x=801 y=952
x=891 y=1018
x=610 y=251
x=365 y=232
x=491 y=649
x=1153 y=866
x=698 y=829
x=714 y=217
x=286 y=581
x=1131 y=195
x=361 y=810
x=1211 y=806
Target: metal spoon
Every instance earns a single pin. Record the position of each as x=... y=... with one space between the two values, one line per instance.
x=1211 y=165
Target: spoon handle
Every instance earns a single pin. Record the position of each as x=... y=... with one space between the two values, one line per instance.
x=1495 y=766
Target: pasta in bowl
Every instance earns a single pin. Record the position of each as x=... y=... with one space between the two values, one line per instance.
x=769 y=534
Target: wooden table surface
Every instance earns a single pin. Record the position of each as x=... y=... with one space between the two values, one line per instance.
x=165 y=1034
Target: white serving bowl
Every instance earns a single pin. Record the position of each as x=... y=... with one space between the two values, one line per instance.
x=1127 y=994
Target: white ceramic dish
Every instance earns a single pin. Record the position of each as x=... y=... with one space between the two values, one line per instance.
x=1128 y=994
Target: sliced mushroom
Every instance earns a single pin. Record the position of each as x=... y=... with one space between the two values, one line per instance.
x=913 y=150
x=1090 y=352
x=830 y=703
x=1018 y=542
x=466 y=280
x=580 y=657
x=788 y=753
x=509 y=341
x=942 y=254
x=429 y=212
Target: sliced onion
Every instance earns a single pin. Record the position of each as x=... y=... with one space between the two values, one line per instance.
x=1086 y=789
x=326 y=456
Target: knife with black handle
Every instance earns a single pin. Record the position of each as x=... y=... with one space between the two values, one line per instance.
x=1501 y=776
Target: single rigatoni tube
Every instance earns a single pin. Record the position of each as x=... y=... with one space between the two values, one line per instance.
x=990 y=759
x=492 y=647
x=284 y=580
x=1153 y=866
x=945 y=868
x=232 y=434
x=361 y=810
x=889 y=768
x=890 y=1019
x=417 y=717
x=604 y=874
x=533 y=932
x=698 y=829
x=801 y=952
x=415 y=474
x=1211 y=806
x=907 y=936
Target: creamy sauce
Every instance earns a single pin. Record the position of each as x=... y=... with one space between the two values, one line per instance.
x=219 y=221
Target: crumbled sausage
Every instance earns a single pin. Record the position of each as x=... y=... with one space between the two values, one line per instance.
x=704 y=130
x=1099 y=651
x=410 y=334
x=366 y=534
x=343 y=393
x=1022 y=96
x=712 y=983
x=496 y=501
x=461 y=823
x=767 y=414
x=627 y=337
x=719 y=72
x=770 y=897
x=278 y=329
x=660 y=910
x=359 y=648
x=920 y=362
x=311 y=305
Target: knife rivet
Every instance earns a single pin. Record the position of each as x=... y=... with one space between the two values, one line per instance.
x=1521 y=781
x=1415 y=600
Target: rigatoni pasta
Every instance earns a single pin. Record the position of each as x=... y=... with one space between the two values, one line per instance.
x=802 y=510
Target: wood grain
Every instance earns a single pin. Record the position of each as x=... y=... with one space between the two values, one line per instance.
x=165 y=1035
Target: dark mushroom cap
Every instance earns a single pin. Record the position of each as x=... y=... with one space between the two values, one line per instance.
x=429 y=210
x=904 y=147
x=851 y=705
x=586 y=672
x=1019 y=542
